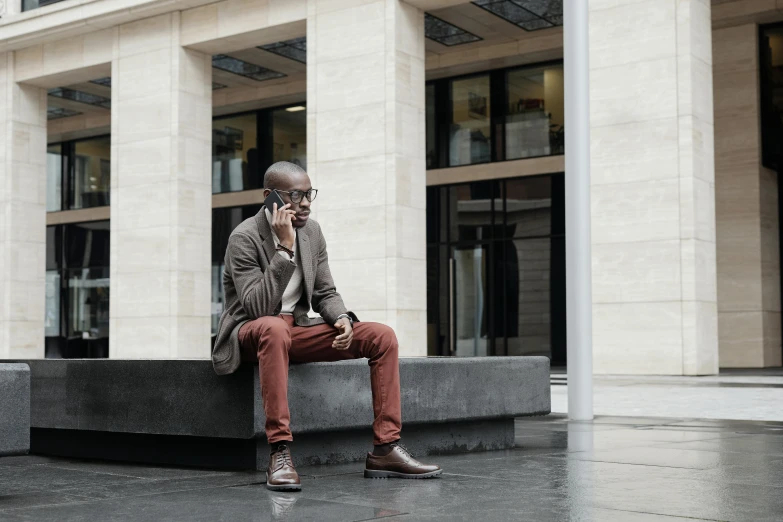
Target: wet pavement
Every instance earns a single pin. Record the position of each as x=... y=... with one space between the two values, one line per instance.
x=613 y=469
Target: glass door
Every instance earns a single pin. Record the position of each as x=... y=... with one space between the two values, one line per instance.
x=469 y=300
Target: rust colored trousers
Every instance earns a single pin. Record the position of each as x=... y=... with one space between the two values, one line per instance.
x=275 y=341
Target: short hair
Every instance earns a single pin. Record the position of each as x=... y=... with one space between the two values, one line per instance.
x=277 y=172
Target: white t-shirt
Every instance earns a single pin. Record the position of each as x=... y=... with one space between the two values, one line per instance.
x=293 y=292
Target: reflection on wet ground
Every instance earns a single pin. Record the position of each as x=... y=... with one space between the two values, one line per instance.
x=614 y=469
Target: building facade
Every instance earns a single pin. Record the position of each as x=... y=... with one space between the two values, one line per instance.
x=135 y=135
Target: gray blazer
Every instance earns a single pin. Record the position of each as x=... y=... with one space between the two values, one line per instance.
x=256 y=276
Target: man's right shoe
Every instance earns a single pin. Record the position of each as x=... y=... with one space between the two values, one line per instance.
x=281 y=475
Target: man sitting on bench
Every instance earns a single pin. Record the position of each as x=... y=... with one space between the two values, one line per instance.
x=276 y=268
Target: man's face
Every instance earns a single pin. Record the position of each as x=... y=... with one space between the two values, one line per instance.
x=300 y=182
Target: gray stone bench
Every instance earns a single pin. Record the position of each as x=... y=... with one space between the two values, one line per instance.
x=14 y=409
x=181 y=412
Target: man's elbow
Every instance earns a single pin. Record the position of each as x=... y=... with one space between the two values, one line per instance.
x=252 y=306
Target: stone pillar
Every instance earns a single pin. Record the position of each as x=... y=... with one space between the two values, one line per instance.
x=654 y=275
x=366 y=147
x=22 y=215
x=10 y=7
x=160 y=194
x=746 y=205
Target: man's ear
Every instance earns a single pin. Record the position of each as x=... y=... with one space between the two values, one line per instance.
x=266 y=193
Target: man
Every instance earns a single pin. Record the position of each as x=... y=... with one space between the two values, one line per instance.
x=276 y=269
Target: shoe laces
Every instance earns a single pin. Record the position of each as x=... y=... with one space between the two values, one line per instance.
x=283 y=457
x=403 y=448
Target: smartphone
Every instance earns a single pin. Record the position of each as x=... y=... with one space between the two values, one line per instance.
x=273 y=198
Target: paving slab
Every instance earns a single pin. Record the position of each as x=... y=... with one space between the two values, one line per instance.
x=558 y=471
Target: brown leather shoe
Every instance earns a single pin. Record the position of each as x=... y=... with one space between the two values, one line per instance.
x=398 y=464
x=281 y=475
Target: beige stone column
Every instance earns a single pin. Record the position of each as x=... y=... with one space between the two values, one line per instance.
x=160 y=194
x=654 y=282
x=10 y=7
x=746 y=208
x=22 y=215
x=366 y=128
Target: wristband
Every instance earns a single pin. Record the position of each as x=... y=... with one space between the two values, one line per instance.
x=281 y=248
x=347 y=316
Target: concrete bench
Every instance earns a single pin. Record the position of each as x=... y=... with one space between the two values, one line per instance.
x=14 y=409
x=180 y=412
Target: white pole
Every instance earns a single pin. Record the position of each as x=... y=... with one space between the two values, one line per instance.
x=579 y=305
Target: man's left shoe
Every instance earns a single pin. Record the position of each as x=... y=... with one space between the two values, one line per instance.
x=399 y=464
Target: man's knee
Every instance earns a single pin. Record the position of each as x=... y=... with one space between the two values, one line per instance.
x=271 y=331
x=384 y=336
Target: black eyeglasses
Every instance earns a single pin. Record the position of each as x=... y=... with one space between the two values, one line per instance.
x=297 y=195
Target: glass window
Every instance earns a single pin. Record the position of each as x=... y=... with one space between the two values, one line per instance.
x=77 y=290
x=243 y=146
x=496 y=283
x=289 y=135
x=444 y=300
x=469 y=136
x=471 y=299
x=505 y=114
x=235 y=158
x=437 y=221
x=527 y=297
x=35 y=4
x=91 y=173
x=54 y=178
x=224 y=221
x=528 y=210
x=52 y=319
x=88 y=305
x=470 y=210
x=534 y=112
x=54 y=257
x=433 y=291
x=87 y=245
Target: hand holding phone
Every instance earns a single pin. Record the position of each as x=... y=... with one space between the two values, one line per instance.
x=282 y=219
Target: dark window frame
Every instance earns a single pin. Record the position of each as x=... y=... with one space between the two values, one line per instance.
x=498 y=86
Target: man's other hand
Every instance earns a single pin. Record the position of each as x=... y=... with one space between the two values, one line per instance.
x=282 y=225
x=343 y=340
